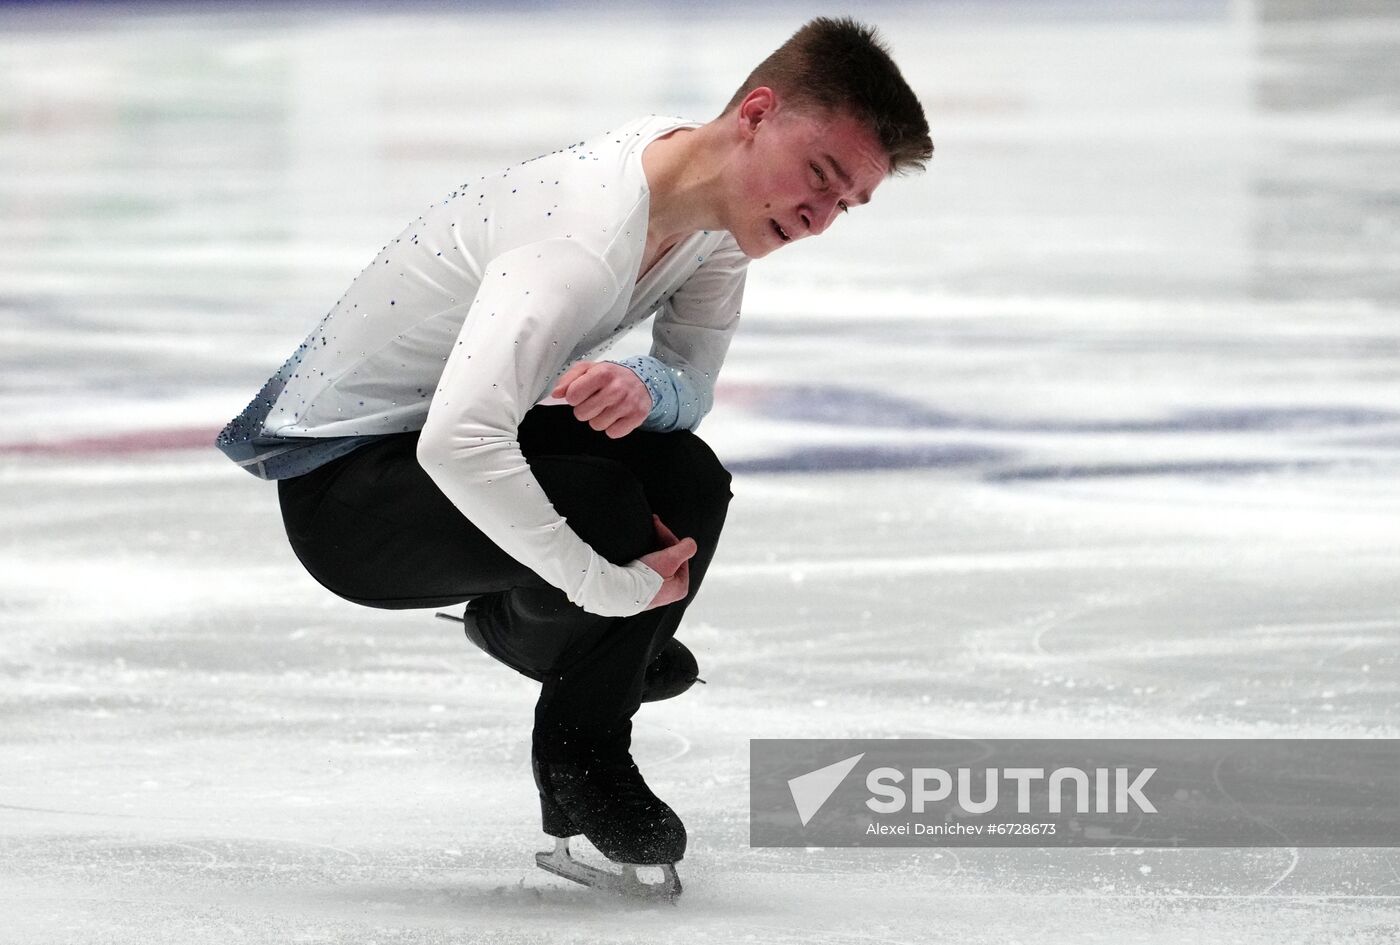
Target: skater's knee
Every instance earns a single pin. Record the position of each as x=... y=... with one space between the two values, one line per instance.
x=601 y=500
x=692 y=457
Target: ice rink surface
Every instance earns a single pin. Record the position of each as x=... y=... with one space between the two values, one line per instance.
x=1092 y=430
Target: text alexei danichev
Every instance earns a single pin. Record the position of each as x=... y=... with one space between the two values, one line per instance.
x=960 y=830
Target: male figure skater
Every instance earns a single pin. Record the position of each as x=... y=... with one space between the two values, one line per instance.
x=447 y=433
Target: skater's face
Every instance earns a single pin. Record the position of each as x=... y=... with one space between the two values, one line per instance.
x=798 y=171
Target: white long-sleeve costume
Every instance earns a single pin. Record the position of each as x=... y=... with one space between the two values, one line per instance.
x=469 y=316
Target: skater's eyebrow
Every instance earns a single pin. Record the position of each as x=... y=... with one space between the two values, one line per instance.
x=844 y=177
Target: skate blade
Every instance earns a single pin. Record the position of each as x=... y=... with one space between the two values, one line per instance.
x=561 y=862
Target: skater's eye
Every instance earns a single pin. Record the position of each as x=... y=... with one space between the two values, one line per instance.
x=821 y=185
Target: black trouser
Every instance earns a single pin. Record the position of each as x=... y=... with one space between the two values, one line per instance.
x=374 y=529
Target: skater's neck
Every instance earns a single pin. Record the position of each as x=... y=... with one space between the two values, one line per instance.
x=685 y=175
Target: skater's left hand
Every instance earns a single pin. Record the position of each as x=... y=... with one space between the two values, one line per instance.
x=672 y=562
x=608 y=397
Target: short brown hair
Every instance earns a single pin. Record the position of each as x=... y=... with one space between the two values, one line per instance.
x=841 y=65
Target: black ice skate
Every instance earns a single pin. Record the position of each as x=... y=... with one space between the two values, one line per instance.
x=613 y=807
x=672 y=671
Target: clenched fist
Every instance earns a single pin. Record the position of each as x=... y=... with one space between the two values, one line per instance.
x=608 y=397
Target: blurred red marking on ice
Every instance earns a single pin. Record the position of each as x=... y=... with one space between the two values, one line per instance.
x=737 y=393
x=117 y=444
x=743 y=393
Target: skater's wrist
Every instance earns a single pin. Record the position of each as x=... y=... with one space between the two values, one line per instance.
x=660 y=383
x=638 y=585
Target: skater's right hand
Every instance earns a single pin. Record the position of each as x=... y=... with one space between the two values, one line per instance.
x=672 y=562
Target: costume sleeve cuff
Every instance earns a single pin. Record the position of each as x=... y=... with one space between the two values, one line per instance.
x=660 y=382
